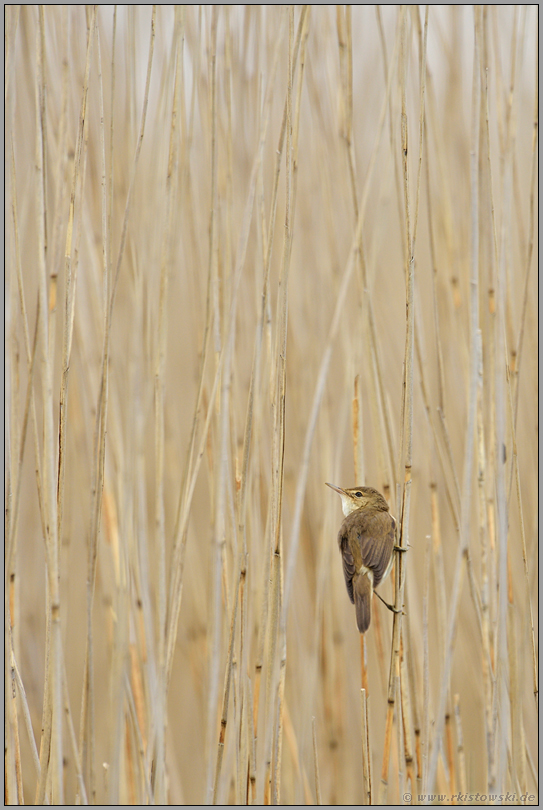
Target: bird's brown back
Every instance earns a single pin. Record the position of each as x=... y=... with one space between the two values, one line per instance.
x=366 y=537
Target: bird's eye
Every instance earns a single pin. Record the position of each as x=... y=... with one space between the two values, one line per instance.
x=358 y=494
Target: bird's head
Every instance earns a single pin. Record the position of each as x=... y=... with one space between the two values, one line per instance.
x=359 y=498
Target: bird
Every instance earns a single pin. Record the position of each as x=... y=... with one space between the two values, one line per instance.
x=366 y=542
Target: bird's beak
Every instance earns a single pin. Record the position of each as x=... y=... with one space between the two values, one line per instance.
x=336 y=489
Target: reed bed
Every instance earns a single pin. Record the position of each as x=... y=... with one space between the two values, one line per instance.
x=252 y=249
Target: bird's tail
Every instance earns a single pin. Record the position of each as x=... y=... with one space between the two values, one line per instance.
x=363 y=591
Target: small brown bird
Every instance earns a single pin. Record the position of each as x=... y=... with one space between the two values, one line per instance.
x=366 y=543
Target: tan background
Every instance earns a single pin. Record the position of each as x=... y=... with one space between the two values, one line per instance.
x=187 y=228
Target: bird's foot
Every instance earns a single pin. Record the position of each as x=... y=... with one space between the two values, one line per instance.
x=390 y=607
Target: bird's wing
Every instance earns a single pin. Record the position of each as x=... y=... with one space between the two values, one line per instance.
x=376 y=537
x=349 y=569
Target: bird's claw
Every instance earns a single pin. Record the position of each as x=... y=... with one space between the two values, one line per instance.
x=390 y=607
x=396 y=610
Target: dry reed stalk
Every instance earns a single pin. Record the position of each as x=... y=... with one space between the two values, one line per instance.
x=251 y=770
x=261 y=643
x=515 y=467
x=12 y=20
x=366 y=751
x=25 y=712
x=51 y=746
x=276 y=643
x=278 y=730
x=358 y=437
x=160 y=362
x=513 y=389
x=299 y=55
x=73 y=738
x=426 y=716
x=408 y=696
x=415 y=696
x=70 y=270
x=378 y=399
x=186 y=491
x=299 y=771
x=226 y=696
x=398 y=747
x=140 y=744
x=357 y=404
x=62 y=192
x=462 y=780
x=345 y=45
x=129 y=768
x=530 y=246
x=502 y=701
x=13 y=792
x=255 y=366
x=468 y=458
x=449 y=756
x=316 y=763
x=267 y=244
x=489 y=584
x=439 y=570
x=406 y=432
x=487 y=672
x=453 y=486
x=256 y=372
x=13 y=501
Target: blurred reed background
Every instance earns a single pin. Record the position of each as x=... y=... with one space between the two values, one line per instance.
x=251 y=249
